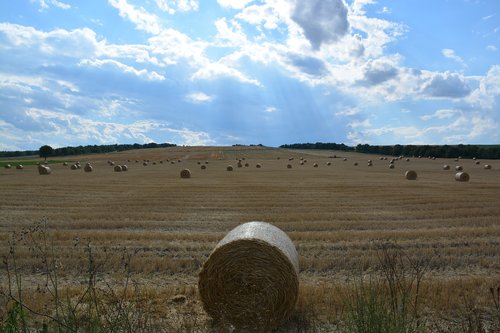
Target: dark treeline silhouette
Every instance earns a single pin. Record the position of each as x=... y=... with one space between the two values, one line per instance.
x=319 y=145
x=91 y=149
x=443 y=151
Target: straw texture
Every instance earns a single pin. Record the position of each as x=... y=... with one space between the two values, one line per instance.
x=462 y=177
x=250 y=280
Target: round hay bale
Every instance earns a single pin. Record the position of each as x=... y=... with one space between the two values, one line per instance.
x=112 y=163
x=407 y=160
x=487 y=167
x=301 y=162
x=186 y=173
x=247 y=165
x=289 y=166
x=172 y=162
x=411 y=175
x=370 y=161
x=19 y=167
x=145 y=163
x=161 y=162
x=382 y=158
x=258 y=165
x=239 y=165
x=291 y=159
x=458 y=168
x=391 y=166
x=44 y=170
x=456 y=159
x=87 y=168
x=154 y=163
x=136 y=161
x=229 y=168
x=446 y=167
x=473 y=158
x=315 y=165
x=328 y=163
x=355 y=163
x=203 y=167
x=198 y=162
x=477 y=162
x=345 y=159
x=118 y=168
x=124 y=167
x=278 y=158
x=370 y=164
x=65 y=163
x=179 y=161
x=206 y=162
x=8 y=166
x=74 y=167
x=462 y=177
x=250 y=281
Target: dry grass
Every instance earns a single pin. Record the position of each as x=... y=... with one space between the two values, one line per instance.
x=336 y=216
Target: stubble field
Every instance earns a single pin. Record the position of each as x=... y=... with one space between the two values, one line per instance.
x=158 y=229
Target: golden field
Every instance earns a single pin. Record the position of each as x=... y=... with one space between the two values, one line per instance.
x=338 y=217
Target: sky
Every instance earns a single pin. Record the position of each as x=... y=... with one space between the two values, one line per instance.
x=272 y=72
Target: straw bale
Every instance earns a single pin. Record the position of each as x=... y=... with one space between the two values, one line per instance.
x=203 y=167
x=239 y=165
x=250 y=281
x=19 y=167
x=458 y=168
x=345 y=159
x=229 y=168
x=44 y=170
x=247 y=165
x=65 y=163
x=487 y=166
x=391 y=166
x=315 y=165
x=124 y=167
x=118 y=168
x=186 y=173
x=258 y=165
x=446 y=167
x=355 y=163
x=74 y=167
x=289 y=166
x=145 y=163
x=87 y=168
x=477 y=162
x=411 y=175
x=462 y=177
x=328 y=163
x=8 y=166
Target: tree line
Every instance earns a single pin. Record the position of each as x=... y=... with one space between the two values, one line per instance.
x=443 y=151
x=47 y=151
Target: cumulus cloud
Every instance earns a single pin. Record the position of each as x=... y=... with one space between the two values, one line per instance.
x=450 y=54
x=323 y=21
x=446 y=85
x=199 y=97
x=142 y=19
x=110 y=64
x=236 y=4
x=440 y=114
x=45 y=4
x=378 y=71
x=308 y=65
x=488 y=92
x=171 y=6
x=218 y=70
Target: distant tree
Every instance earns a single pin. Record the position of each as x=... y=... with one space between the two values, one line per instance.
x=46 y=151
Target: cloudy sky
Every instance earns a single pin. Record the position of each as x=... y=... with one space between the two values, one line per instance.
x=220 y=72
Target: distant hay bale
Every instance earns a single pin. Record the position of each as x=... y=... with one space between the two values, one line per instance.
x=345 y=159
x=8 y=166
x=65 y=163
x=239 y=165
x=198 y=162
x=458 y=168
x=161 y=162
x=258 y=165
x=370 y=164
x=462 y=177
x=289 y=166
x=247 y=165
x=145 y=163
x=305 y=161
x=206 y=162
x=355 y=163
x=250 y=281
x=243 y=158
x=179 y=161
x=154 y=163
x=74 y=167
x=136 y=161
x=124 y=167
x=229 y=168
x=301 y=162
x=456 y=159
x=172 y=162
x=203 y=167
x=434 y=158
x=19 y=167
x=407 y=160
x=411 y=175
x=382 y=158
x=118 y=168
x=487 y=166
x=370 y=161
x=334 y=156
x=44 y=170
x=186 y=173
x=477 y=162
x=473 y=158
x=315 y=165
x=290 y=159
x=446 y=167
x=87 y=167
x=391 y=166
x=278 y=158
x=328 y=163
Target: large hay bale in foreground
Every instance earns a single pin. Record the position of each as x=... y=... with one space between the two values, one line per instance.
x=462 y=177
x=44 y=170
x=250 y=280
x=186 y=173
x=411 y=175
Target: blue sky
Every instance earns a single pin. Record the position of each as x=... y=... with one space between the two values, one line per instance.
x=222 y=72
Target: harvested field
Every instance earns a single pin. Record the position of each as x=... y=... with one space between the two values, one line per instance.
x=338 y=218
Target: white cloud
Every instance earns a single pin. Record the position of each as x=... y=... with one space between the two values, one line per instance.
x=236 y=4
x=488 y=90
x=139 y=16
x=109 y=63
x=450 y=54
x=199 y=97
x=191 y=138
x=218 y=70
x=45 y=4
x=171 y=6
x=404 y=110
x=348 y=112
x=440 y=114
x=323 y=21
x=230 y=33
x=360 y=123
x=270 y=109
x=491 y=48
